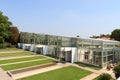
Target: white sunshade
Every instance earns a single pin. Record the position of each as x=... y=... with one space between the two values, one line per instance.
x=39 y=45
x=27 y=44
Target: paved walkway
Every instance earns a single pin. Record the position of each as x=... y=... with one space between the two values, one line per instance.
x=13 y=57
x=4 y=76
x=3 y=52
x=37 y=71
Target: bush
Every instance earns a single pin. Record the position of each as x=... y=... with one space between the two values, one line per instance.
x=117 y=71
x=6 y=45
x=52 y=55
x=105 y=76
x=1 y=39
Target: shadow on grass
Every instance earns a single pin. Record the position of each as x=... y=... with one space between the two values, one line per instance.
x=88 y=65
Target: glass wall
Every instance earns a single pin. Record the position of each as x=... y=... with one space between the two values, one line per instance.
x=97 y=52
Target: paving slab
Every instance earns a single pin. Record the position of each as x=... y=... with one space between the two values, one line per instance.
x=4 y=75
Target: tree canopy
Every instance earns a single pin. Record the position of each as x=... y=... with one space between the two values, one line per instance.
x=101 y=35
x=4 y=28
x=15 y=35
x=115 y=34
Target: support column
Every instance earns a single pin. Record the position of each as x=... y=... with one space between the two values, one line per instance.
x=102 y=59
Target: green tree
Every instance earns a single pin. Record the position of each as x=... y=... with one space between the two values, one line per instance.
x=115 y=34
x=4 y=28
x=1 y=39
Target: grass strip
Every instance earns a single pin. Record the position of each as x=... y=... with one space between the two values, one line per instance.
x=20 y=59
x=14 y=54
x=88 y=65
x=66 y=73
x=9 y=49
x=26 y=64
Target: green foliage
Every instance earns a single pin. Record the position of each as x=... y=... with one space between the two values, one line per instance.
x=115 y=34
x=6 y=44
x=88 y=65
x=4 y=27
x=101 y=35
x=117 y=70
x=1 y=39
x=52 y=55
x=105 y=76
x=7 y=34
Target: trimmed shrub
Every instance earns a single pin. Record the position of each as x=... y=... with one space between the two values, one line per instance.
x=105 y=76
x=117 y=71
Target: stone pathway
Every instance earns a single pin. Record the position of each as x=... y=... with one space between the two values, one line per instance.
x=4 y=75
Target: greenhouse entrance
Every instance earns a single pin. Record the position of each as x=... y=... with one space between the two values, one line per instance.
x=66 y=56
x=39 y=50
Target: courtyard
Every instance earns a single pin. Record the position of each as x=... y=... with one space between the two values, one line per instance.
x=25 y=65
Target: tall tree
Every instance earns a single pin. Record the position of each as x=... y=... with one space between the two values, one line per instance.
x=4 y=28
x=115 y=34
x=15 y=35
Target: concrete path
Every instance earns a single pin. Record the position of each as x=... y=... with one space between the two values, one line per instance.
x=3 y=52
x=13 y=57
x=37 y=71
x=4 y=75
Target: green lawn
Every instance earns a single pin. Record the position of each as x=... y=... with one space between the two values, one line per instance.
x=20 y=59
x=66 y=73
x=9 y=49
x=15 y=54
x=88 y=65
x=26 y=64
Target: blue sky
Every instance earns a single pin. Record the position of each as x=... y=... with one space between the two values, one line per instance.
x=64 y=17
